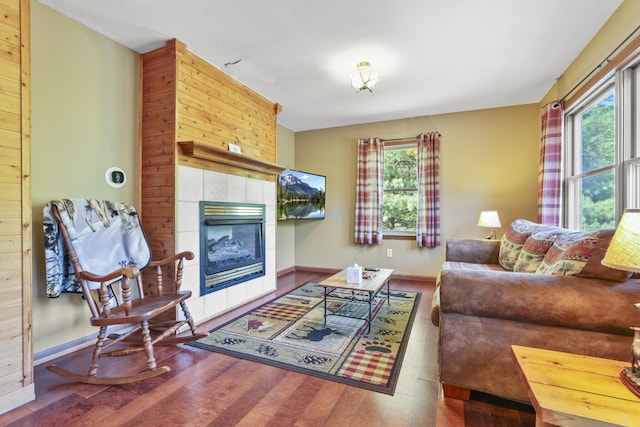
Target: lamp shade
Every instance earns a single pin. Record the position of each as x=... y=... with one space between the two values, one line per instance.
x=489 y=219
x=624 y=250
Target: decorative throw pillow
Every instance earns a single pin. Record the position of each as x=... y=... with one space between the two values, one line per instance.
x=513 y=241
x=535 y=249
x=569 y=253
x=594 y=267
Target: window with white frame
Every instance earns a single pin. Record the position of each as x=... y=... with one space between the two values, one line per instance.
x=400 y=189
x=602 y=163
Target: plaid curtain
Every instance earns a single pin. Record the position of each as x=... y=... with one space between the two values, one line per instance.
x=550 y=167
x=368 y=226
x=428 y=226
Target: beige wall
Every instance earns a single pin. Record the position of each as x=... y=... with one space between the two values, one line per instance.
x=84 y=120
x=488 y=161
x=285 y=230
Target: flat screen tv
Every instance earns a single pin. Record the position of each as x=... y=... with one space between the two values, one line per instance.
x=301 y=195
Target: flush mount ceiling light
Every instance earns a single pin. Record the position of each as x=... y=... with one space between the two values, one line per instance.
x=364 y=77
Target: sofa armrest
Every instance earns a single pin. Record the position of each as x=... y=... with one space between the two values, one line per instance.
x=566 y=301
x=475 y=251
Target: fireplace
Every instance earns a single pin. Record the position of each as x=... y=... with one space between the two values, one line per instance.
x=232 y=244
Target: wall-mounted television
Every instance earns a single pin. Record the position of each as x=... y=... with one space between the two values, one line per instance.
x=301 y=195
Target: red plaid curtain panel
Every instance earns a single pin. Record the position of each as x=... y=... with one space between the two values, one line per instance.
x=428 y=226
x=369 y=186
x=550 y=168
x=368 y=220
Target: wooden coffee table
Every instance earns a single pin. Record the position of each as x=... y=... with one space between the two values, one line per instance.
x=365 y=291
x=573 y=390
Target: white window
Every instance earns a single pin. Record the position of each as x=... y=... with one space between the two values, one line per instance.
x=602 y=167
x=400 y=190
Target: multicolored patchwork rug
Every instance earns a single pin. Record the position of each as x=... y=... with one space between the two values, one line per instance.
x=289 y=332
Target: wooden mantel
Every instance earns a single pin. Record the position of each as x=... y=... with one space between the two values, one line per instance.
x=205 y=152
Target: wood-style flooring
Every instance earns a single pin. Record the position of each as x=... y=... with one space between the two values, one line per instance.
x=209 y=389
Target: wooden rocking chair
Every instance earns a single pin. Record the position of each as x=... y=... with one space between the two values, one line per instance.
x=119 y=299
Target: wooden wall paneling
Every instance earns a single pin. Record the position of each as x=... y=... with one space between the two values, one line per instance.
x=197 y=73
x=10 y=230
x=158 y=158
x=207 y=96
x=212 y=106
x=11 y=15
x=27 y=225
x=184 y=98
x=16 y=360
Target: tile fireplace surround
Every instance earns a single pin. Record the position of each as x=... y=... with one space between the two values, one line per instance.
x=195 y=185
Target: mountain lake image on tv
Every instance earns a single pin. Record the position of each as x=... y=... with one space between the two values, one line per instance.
x=301 y=195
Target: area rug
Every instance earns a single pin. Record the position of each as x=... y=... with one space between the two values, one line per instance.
x=289 y=332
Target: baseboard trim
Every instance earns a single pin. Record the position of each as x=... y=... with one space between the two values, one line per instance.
x=63 y=349
x=291 y=269
x=317 y=269
x=49 y=354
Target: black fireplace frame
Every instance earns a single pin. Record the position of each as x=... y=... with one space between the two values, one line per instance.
x=228 y=213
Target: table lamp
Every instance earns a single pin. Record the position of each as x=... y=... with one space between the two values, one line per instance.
x=624 y=254
x=489 y=219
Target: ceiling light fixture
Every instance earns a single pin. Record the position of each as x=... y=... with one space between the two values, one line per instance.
x=364 y=77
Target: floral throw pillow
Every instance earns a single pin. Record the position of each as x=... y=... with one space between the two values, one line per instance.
x=535 y=249
x=513 y=241
x=569 y=253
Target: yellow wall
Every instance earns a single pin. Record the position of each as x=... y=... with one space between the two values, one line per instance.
x=488 y=161
x=622 y=23
x=84 y=120
x=285 y=230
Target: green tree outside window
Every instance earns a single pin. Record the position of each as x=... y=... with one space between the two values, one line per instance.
x=598 y=152
x=400 y=189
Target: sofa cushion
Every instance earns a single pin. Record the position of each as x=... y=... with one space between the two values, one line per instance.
x=569 y=253
x=455 y=265
x=513 y=241
x=535 y=249
x=594 y=268
x=563 y=301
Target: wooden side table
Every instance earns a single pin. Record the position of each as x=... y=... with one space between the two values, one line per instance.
x=573 y=390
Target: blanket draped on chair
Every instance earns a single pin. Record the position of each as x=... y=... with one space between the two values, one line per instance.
x=106 y=236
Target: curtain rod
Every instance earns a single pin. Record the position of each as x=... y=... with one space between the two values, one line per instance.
x=603 y=62
x=408 y=138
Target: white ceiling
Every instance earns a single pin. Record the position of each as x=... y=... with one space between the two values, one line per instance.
x=433 y=56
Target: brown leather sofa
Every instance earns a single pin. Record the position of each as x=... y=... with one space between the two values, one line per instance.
x=482 y=312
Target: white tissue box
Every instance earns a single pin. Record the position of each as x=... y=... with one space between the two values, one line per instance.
x=354 y=274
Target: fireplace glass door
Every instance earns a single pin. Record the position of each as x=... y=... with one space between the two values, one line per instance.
x=232 y=246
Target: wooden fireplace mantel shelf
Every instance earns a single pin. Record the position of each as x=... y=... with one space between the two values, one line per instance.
x=205 y=152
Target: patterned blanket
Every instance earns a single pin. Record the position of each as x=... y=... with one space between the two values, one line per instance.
x=105 y=236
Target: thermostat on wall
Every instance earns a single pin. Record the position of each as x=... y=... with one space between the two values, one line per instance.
x=115 y=177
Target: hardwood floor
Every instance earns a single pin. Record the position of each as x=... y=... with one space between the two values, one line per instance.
x=210 y=389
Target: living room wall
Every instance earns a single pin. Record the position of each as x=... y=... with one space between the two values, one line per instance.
x=624 y=21
x=84 y=120
x=285 y=230
x=488 y=161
